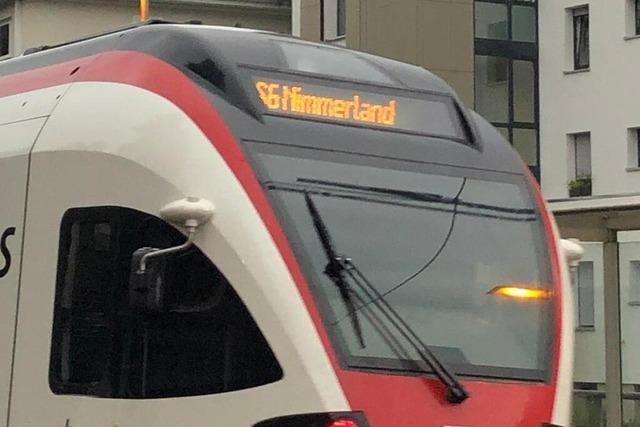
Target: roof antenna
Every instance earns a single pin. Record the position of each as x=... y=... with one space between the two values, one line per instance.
x=144 y=10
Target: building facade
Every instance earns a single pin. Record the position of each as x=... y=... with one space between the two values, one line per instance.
x=589 y=93
x=590 y=129
x=30 y=23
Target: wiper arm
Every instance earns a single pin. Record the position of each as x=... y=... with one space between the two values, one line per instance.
x=335 y=269
x=456 y=392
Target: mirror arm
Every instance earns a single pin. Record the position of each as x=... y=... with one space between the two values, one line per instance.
x=161 y=252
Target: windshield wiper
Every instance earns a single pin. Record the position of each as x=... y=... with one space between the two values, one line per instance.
x=339 y=267
x=405 y=194
x=417 y=196
x=334 y=269
x=456 y=392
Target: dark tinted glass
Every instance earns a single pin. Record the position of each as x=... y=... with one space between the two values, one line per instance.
x=4 y=39
x=638 y=143
x=638 y=17
x=581 y=39
x=428 y=114
x=492 y=88
x=523 y=91
x=437 y=246
x=491 y=21
x=525 y=141
x=523 y=24
x=204 y=342
x=341 y=29
x=330 y=61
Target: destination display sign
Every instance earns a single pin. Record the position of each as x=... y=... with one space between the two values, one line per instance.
x=434 y=116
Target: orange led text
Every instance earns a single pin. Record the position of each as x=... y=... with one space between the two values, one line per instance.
x=295 y=99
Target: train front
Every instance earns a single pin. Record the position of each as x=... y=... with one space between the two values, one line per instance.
x=425 y=254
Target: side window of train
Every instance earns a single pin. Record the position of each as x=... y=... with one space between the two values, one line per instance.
x=204 y=341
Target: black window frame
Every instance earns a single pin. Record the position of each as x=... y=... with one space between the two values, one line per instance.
x=637 y=16
x=509 y=5
x=5 y=37
x=581 y=27
x=515 y=51
x=95 y=322
x=341 y=18
x=637 y=135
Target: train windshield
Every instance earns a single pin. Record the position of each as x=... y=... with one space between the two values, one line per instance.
x=459 y=254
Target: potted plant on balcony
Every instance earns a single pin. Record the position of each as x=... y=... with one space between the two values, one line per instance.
x=580 y=187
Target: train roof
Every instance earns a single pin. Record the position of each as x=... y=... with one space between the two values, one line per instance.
x=218 y=57
x=230 y=46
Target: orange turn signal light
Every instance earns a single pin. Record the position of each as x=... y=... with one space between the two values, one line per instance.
x=521 y=292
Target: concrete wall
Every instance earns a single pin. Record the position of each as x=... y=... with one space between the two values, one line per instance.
x=603 y=101
x=435 y=34
x=55 y=21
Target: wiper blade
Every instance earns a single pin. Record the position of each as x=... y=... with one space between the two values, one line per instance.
x=406 y=194
x=338 y=267
x=417 y=196
x=334 y=268
x=456 y=392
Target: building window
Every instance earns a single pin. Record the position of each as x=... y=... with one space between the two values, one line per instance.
x=497 y=70
x=491 y=21
x=495 y=21
x=580 y=164
x=492 y=89
x=582 y=155
x=506 y=72
x=525 y=141
x=637 y=144
x=581 y=38
x=634 y=283
x=341 y=28
x=585 y=315
x=524 y=24
x=633 y=152
x=199 y=340
x=4 y=38
x=524 y=90
x=637 y=16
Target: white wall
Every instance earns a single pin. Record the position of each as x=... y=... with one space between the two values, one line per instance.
x=590 y=344
x=604 y=100
x=629 y=314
